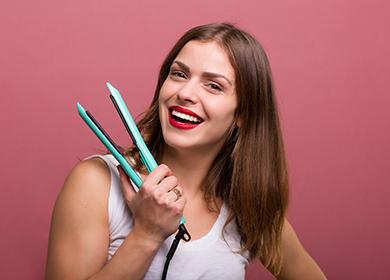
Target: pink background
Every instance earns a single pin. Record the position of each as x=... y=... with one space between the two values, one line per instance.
x=331 y=65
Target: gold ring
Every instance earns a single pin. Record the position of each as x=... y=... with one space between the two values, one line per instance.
x=177 y=192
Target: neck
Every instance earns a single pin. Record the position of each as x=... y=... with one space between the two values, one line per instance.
x=190 y=167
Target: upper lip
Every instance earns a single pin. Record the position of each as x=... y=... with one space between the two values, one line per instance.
x=184 y=111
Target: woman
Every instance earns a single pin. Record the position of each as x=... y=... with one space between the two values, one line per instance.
x=213 y=124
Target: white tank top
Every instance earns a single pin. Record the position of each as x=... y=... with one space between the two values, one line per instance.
x=211 y=257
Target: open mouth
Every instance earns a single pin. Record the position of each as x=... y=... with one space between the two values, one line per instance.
x=184 y=118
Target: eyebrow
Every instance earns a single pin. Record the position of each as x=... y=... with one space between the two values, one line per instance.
x=206 y=74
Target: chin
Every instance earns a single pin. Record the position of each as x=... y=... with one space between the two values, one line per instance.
x=178 y=144
x=191 y=145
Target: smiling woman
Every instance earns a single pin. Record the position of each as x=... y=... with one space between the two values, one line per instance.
x=213 y=124
x=198 y=85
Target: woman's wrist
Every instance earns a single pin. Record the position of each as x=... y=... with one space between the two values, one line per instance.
x=138 y=249
x=151 y=241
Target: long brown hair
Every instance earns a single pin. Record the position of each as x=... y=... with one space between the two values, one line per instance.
x=249 y=173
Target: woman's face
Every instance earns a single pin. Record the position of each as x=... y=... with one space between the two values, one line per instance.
x=197 y=100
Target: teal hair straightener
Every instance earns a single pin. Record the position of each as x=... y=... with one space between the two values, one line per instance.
x=145 y=155
x=132 y=129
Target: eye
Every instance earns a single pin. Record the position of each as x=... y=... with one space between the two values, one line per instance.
x=178 y=74
x=214 y=87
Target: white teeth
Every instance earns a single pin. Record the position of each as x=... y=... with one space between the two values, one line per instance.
x=185 y=116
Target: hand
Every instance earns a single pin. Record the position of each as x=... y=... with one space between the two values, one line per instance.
x=156 y=207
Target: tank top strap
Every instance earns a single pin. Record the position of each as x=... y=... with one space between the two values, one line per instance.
x=120 y=220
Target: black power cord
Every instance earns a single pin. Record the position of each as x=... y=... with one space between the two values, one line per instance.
x=181 y=234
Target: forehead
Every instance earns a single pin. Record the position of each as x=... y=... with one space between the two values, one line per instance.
x=206 y=57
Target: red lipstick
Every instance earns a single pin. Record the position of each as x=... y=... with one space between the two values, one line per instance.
x=184 y=111
x=181 y=124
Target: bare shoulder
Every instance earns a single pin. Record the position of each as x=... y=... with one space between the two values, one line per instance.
x=296 y=261
x=290 y=241
x=79 y=227
x=86 y=186
x=90 y=176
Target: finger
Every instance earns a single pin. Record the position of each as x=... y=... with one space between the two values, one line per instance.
x=170 y=197
x=126 y=186
x=173 y=195
x=159 y=173
x=180 y=204
x=167 y=184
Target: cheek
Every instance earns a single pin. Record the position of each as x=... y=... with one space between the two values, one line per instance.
x=163 y=92
x=222 y=111
x=164 y=96
x=167 y=90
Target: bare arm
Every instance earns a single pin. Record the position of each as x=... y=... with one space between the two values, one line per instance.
x=297 y=264
x=79 y=236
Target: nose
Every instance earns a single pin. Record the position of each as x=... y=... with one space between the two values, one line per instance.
x=189 y=92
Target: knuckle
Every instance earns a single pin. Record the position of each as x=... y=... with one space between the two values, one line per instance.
x=162 y=202
x=145 y=185
x=145 y=189
x=159 y=199
x=176 y=210
x=165 y=168
x=156 y=198
x=173 y=180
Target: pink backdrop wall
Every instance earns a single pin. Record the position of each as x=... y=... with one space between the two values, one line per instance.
x=330 y=61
